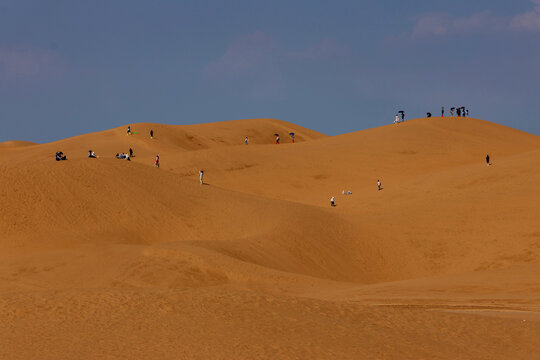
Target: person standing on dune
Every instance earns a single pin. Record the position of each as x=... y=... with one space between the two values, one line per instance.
x=246 y=140
x=379 y=184
x=129 y=130
x=157 y=161
x=487 y=160
x=151 y=134
x=332 y=201
x=201 y=174
x=442 y=111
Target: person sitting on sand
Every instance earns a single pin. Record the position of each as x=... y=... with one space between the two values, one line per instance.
x=60 y=156
x=91 y=154
x=277 y=139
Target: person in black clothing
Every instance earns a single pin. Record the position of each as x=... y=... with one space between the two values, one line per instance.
x=130 y=152
x=487 y=160
x=60 y=156
x=442 y=111
x=428 y=114
x=458 y=111
x=151 y=134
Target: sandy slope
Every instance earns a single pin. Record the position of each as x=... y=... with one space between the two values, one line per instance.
x=105 y=258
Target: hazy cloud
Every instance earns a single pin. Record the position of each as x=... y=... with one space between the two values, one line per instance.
x=529 y=20
x=27 y=63
x=433 y=25
x=442 y=24
x=260 y=59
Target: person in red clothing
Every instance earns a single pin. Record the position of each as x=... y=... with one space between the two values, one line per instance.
x=157 y=161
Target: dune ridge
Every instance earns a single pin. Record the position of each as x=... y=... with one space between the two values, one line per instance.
x=105 y=258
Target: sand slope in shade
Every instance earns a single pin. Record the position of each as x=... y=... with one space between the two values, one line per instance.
x=105 y=258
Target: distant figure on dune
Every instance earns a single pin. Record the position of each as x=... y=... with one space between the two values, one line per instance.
x=396 y=120
x=130 y=152
x=60 y=156
x=277 y=139
x=442 y=111
x=452 y=111
x=379 y=184
x=463 y=111
x=129 y=130
x=402 y=115
x=467 y=112
x=487 y=160
x=332 y=201
x=151 y=134
x=91 y=154
x=292 y=137
x=246 y=140
x=428 y=114
x=458 y=111
x=156 y=164
x=201 y=174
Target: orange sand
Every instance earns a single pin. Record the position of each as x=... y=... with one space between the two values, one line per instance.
x=110 y=259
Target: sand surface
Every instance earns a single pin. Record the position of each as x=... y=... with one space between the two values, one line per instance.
x=109 y=259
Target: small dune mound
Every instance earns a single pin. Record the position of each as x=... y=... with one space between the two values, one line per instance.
x=15 y=144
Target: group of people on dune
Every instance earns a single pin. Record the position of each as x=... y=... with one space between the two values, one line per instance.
x=460 y=111
x=91 y=154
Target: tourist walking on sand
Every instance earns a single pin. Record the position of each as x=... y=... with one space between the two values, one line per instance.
x=332 y=201
x=129 y=130
x=379 y=184
x=201 y=174
x=246 y=140
x=487 y=160
x=130 y=152
x=277 y=139
x=151 y=134
x=157 y=161
x=442 y=111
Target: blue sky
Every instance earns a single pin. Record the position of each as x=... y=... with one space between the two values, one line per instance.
x=71 y=67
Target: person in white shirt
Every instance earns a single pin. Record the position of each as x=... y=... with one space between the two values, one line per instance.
x=396 y=120
x=379 y=184
x=332 y=201
x=201 y=173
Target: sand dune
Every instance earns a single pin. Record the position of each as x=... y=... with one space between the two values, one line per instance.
x=105 y=258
